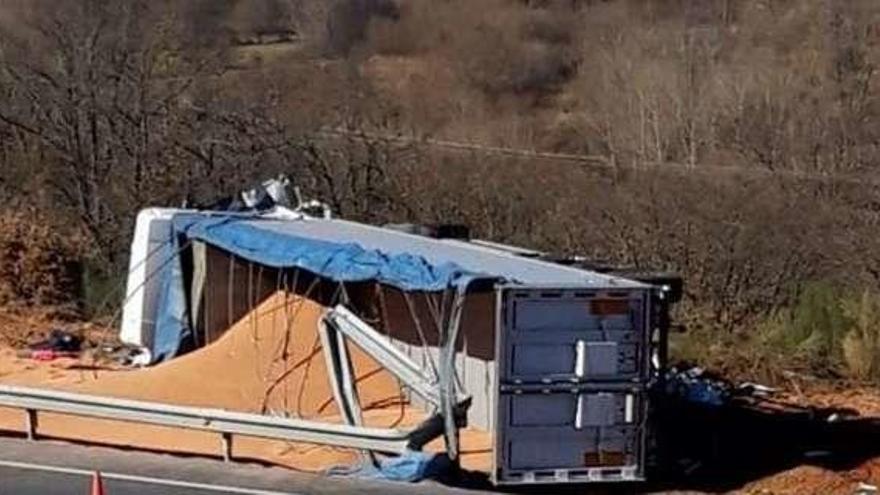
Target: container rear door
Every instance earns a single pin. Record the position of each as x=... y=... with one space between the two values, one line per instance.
x=574 y=336
x=571 y=373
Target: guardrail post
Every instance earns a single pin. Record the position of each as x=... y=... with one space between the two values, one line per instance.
x=31 y=423
x=226 y=445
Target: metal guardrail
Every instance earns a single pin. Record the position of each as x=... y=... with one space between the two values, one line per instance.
x=226 y=423
x=380 y=349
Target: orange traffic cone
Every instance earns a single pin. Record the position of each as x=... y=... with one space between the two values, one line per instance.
x=97 y=484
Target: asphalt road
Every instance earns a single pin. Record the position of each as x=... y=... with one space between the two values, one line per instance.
x=33 y=482
x=49 y=468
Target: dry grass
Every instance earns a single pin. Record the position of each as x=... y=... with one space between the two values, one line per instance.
x=861 y=345
x=254 y=57
x=38 y=264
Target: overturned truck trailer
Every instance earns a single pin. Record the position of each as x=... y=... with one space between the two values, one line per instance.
x=552 y=363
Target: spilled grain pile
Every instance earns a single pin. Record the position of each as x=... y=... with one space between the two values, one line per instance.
x=269 y=362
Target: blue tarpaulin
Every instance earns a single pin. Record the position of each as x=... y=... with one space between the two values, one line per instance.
x=172 y=317
x=340 y=261
x=249 y=237
x=411 y=466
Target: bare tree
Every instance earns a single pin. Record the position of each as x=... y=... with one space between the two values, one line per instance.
x=124 y=113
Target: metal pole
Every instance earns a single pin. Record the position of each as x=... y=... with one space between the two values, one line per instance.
x=384 y=352
x=31 y=424
x=339 y=371
x=226 y=446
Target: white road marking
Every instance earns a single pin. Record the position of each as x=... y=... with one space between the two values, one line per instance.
x=141 y=479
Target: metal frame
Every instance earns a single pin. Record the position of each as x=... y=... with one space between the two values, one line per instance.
x=441 y=393
x=342 y=378
x=377 y=346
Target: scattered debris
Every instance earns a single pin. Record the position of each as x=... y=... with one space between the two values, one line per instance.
x=59 y=344
x=693 y=384
x=60 y=341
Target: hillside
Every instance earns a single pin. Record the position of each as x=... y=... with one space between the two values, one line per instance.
x=734 y=142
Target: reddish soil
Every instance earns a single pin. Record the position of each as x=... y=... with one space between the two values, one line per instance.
x=802 y=480
x=865 y=401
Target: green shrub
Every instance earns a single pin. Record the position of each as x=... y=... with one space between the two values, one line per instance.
x=810 y=334
x=826 y=333
x=861 y=345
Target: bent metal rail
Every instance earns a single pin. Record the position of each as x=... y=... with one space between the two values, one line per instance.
x=226 y=423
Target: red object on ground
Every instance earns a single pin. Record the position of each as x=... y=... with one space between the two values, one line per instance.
x=51 y=355
x=97 y=484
